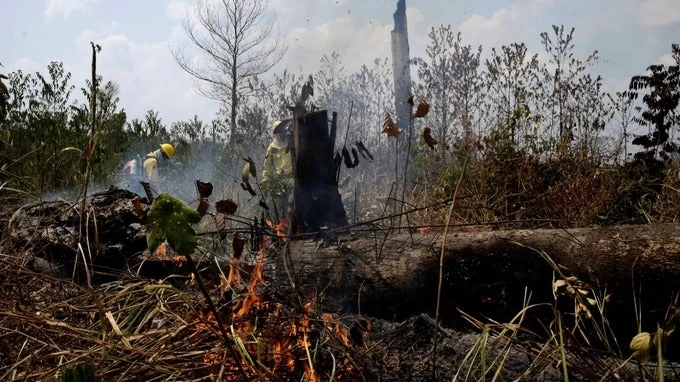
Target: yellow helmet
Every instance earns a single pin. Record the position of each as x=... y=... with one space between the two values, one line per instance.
x=280 y=124
x=168 y=149
x=275 y=125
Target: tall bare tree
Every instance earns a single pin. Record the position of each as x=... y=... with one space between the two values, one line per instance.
x=236 y=41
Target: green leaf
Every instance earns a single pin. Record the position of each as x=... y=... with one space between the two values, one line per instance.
x=171 y=219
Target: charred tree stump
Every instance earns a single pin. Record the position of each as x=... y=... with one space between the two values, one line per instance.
x=488 y=273
x=317 y=202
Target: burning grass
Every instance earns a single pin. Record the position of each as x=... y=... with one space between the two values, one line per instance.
x=137 y=329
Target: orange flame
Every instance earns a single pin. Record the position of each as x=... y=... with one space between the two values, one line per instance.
x=205 y=321
x=255 y=277
x=280 y=228
x=336 y=328
x=282 y=355
x=161 y=251
x=212 y=359
x=248 y=302
x=234 y=273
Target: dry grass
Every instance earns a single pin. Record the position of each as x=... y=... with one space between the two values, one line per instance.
x=158 y=331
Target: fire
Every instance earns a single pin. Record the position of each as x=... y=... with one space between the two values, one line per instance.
x=212 y=359
x=165 y=252
x=255 y=277
x=205 y=320
x=423 y=229
x=234 y=277
x=248 y=302
x=162 y=251
x=282 y=354
x=280 y=228
x=336 y=328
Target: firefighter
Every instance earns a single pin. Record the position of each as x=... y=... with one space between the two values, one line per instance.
x=146 y=169
x=277 y=172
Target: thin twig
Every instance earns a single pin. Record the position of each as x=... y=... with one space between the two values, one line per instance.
x=441 y=266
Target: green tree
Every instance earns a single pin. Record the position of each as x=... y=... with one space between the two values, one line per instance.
x=660 y=90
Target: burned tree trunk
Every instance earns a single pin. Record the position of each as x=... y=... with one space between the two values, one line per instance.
x=401 y=65
x=317 y=202
x=488 y=272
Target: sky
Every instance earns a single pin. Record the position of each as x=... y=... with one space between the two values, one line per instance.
x=138 y=36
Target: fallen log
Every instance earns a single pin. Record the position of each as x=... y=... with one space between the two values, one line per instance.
x=488 y=272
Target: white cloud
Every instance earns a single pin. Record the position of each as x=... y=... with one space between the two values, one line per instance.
x=65 y=7
x=147 y=75
x=666 y=59
x=177 y=9
x=498 y=29
x=655 y=13
x=357 y=43
x=26 y=64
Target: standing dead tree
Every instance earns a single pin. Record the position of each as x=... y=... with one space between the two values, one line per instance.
x=236 y=41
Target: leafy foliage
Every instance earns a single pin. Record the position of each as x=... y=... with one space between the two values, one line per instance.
x=171 y=220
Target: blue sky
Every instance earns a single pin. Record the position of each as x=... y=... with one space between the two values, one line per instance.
x=137 y=36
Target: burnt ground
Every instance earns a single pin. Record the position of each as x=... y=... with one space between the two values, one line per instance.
x=158 y=327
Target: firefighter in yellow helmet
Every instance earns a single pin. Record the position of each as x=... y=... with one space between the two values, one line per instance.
x=146 y=169
x=153 y=159
x=277 y=172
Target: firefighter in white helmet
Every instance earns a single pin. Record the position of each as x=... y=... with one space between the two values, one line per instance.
x=146 y=169
x=277 y=172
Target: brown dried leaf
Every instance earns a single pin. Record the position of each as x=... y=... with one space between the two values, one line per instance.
x=248 y=170
x=226 y=206
x=203 y=205
x=422 y=109
x=426 y=133
x=390 y=127
x=364 y=151
x=221 y=224
x=204 y=189
x=410 y=100
x=237 y=244
x=137 y=203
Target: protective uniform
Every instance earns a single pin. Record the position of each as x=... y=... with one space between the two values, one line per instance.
x=277 y=171
x=151 y=161
x=149 y=166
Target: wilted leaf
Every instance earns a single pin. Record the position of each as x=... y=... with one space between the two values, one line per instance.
x=137 y=203
x=203 y=205
x=363 y=150
x=426 y=133
x=355 y=157
x=410 y=100
x=226 y=206
x=349 y=162
x=237 y=244
x=390 y=127
x=221 y=224
x=248 y=170
x=559 y=284
x=247 y=187
x=641 y=346
x=422 y=109
x=346 y=157
x=204 y=189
